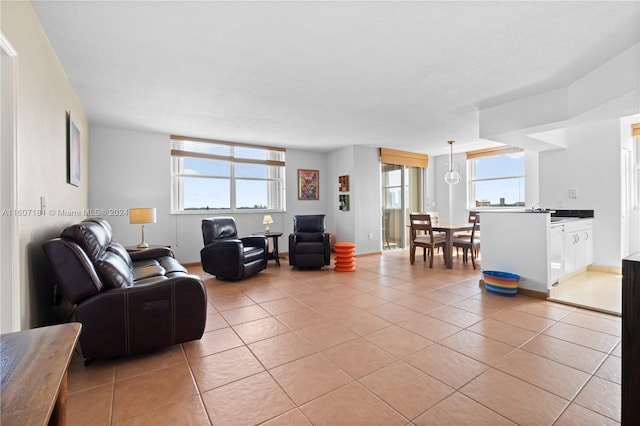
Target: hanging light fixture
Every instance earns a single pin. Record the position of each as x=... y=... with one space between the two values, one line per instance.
x=452 y=176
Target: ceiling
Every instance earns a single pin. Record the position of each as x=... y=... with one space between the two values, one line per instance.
x=321 y=75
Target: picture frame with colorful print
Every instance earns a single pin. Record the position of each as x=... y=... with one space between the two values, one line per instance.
x=308 y=184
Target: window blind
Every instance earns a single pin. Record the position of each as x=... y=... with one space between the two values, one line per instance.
x=490 y=152
x=403 y=158
x=182 y=146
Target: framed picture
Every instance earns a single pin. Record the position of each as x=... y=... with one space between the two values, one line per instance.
x=73 y=152
x=308 y=184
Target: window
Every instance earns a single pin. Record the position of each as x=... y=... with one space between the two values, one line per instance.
x=496 y=177
x=216 y=175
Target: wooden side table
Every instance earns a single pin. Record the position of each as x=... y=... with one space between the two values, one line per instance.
x=345 y=257
x=135 y=249
x=274 y=254
x=34 y=374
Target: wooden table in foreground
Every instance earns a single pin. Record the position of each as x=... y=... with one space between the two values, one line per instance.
x=34 y=374
x=449 y=229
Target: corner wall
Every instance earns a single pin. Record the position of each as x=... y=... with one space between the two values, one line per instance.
x=44 y=96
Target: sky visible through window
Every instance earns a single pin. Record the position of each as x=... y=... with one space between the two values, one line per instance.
x=497 y=192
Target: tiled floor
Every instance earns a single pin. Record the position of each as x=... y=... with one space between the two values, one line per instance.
x=592 y=289
x=391 y=343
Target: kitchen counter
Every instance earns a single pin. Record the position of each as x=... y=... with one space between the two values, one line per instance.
x=522 y=242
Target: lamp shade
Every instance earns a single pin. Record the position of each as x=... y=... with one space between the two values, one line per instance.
x=142 y=215
x=267 y=219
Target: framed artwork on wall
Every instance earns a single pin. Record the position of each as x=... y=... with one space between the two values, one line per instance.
x=73 y=152
x=308 y=184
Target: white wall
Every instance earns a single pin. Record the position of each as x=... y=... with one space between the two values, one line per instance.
x=133 y=169
x=591 y=165
x=44 y=96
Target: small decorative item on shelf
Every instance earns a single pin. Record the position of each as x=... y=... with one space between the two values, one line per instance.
x=343 y=202
x=343 y=183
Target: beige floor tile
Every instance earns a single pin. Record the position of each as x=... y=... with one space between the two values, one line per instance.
x=261 y=329
x=232 y=302
x=351 y=405
x=551 y=311
x=359 y=357
x=310 y=377
x=502 y=332
x=387 y=293
x=362 y=322
x=132 y=396
x=460 y=410
x=244 y=314
x=407 y=389
x=601 y=396
x=394 y=313
x=215 y=322
x=187 y=412
x=523 y=320
x=602 y=324
x=398 y=341
x=576 y=415
x=261 y=296
x=212 y=342
x=90 y=407
x=611 y=369
x=300 y=318
x=281 y=349
x=139 y=364
x=224 y=367
x=248 y=401
x=100 y=372
x=455 y=316
x=480 y=348
x=444 y=297
x=290 y=418
x=447 y=365
x=618 y=350
x=549 y=375
x=280 y=306
x=325 y=335
x=418 y=304
x=567 y=353
x=430 y=328
x=582 y=336
x=515 y=399
x=599 y=290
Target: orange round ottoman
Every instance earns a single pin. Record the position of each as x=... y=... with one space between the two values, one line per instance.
x=345 y=257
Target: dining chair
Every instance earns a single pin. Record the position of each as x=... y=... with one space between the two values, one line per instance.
x=470 y=244
x=422 y=235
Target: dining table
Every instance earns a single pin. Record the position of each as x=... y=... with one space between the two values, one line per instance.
x=449 y=229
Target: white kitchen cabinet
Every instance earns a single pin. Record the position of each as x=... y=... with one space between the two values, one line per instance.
x=578 y=245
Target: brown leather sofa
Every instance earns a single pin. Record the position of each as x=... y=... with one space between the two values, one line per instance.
x=228 y=256
x=127 y=303
x=309 y=244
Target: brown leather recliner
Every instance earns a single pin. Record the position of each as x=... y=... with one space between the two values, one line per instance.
x=228 y=256
x=309 y=244
x=127 y=303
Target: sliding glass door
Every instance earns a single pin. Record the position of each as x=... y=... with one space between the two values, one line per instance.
x=402 y=193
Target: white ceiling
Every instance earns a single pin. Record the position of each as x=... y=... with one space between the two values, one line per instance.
x=320 y=75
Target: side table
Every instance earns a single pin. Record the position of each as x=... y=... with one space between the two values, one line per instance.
x=274 y=254
x=135 y=249
x=34 y=374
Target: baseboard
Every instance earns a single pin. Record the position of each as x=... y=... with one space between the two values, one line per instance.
x=192 y=264
x=373 y=253
x=607 y=269
x=524 y=291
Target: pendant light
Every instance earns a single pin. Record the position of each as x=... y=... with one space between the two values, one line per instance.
x=452 y=176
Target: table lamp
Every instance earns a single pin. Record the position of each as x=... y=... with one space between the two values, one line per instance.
x=142 y=216
x=267 y=220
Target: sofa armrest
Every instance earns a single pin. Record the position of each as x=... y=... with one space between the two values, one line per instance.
x=255 y=241
x=143 y=317
x=152 y=253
